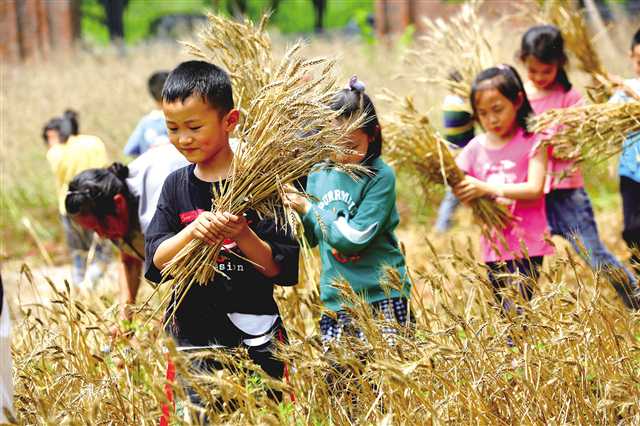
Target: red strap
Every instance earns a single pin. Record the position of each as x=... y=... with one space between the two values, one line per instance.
x=168 y=390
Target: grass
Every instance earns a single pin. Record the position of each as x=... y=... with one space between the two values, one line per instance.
x=577 y=362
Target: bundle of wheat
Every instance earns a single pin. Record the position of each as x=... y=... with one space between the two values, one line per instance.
x=454 y=51
x=243 y=49
x=413 y=143
x=292 y=129
x=589 y=132
x=570 y=21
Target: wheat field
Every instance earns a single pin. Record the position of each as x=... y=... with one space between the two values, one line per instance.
x=576 y=358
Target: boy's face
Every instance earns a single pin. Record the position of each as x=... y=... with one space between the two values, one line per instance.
x=196 y=129
x=635 y=59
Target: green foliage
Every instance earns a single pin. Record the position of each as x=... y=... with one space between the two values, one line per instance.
x=138 y=17
x=292 y=16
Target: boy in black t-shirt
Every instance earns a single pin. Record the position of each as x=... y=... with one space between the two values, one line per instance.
x=237 y=309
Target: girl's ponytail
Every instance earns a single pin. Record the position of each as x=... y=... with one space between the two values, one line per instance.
x=91 y=192
x=120 y=170
x=72 y=121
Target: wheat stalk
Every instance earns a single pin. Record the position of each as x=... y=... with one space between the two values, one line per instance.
x=457 y=45
x=570 y=21
x=412 y=142
x=243 y=49
x=588 y=132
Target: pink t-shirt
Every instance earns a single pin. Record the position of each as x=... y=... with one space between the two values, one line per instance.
x=558 y=170
x=509 y=164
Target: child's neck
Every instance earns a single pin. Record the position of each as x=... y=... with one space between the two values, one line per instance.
x=534 y=92
x=497 y=141
x=217 y=167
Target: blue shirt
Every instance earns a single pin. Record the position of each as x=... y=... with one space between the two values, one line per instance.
x=630 y=157
x=150 y=131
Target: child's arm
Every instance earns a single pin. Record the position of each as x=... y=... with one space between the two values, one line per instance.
x=130 y=268
x=353 y=235
x=212 y=228
x=226 y=225
x=293 y=199
x=471 y=188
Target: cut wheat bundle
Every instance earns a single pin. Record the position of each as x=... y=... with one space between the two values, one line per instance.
x=571 y=23
x=412 y=143
x=588 y=132
x=244 y=50
x=454 y=51
x=292 y=129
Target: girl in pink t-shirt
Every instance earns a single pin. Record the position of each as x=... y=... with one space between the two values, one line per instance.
x=568 y=207
x=505 y=163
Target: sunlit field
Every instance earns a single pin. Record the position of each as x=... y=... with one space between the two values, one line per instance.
x=576 y=358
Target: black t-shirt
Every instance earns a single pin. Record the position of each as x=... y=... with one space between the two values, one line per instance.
x=197 y=319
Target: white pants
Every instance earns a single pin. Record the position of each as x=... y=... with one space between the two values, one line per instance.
x=6 y=371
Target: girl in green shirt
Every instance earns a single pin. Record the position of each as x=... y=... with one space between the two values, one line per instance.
x=353 y=223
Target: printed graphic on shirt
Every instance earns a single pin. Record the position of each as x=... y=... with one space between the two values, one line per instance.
x=499 y=173
x=338 y=196
x=341 y=203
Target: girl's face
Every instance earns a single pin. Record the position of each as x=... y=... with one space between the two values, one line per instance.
x=359 y=144
x=543 y=76
x=53 y=137
x=497 y=114
x=112 y=226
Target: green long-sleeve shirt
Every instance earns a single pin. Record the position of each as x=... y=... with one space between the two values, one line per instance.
x=353 y=223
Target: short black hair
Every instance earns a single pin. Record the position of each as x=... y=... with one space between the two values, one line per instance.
x=201 y=78
x=506 y=80
x=635 y=40
x=546 y=44
x=156 y=83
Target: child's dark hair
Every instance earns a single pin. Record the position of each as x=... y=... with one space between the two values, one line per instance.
x=353 y=101
x=66 y=126
x=92 y=191
x=71 y=118
x=506 y=80
x=545 y=43
x=635 y=40
x=199 y=78
x=156 y=83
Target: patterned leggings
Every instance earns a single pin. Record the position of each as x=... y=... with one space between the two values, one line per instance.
x=392 y=310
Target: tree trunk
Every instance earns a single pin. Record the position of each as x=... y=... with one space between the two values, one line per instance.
x=319 y=7
x=9 y=38
x=115 y=18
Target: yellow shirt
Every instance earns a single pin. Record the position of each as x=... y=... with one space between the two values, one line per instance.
x=81 y=152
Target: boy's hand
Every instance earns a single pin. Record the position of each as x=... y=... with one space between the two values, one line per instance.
x=227 y=225
x=470 y=189
x=293 y=199
x=203 y=228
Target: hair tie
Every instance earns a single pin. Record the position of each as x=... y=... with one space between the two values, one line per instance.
x=355 y=84
x=503 y=67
